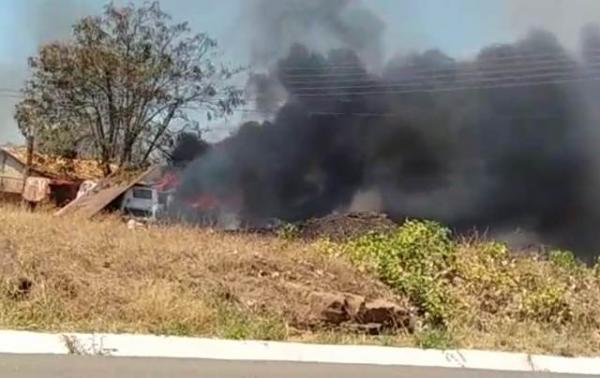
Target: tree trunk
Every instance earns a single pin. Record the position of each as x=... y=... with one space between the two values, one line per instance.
x=105 y=162
x=126 y=152
x=30 y=146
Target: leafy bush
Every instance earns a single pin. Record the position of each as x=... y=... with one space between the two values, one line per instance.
x=416 y=260
x=487 y=276
x=563 y=259
x=473 y=281
x=547 y=304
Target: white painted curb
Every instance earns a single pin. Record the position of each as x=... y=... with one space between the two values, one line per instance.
x=17 y=342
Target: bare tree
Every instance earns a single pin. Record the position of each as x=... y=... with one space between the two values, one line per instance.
x=127 y=79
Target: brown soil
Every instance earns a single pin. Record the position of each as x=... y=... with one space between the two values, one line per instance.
x=339 y=227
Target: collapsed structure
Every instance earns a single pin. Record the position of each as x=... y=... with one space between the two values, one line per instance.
x=49 y=178
x=130 y=192
x=78 y=186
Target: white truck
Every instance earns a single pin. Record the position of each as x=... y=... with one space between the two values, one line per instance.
x=145 y=202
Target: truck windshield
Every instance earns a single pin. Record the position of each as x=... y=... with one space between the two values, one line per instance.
x=142 y=193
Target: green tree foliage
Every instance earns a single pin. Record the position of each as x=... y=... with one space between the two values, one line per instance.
x=123 y=85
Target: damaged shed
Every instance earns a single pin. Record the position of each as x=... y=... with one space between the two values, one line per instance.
x=109 y=193
x=53 y=178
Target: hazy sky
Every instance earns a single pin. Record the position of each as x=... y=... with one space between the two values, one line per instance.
x=460 y=27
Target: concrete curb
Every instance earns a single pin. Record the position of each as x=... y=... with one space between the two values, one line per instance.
x=18 y=342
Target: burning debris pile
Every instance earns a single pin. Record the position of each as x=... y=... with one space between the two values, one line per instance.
x=515 y=149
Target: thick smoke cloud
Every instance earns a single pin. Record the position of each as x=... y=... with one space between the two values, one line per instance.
x=276 y=25
x=267 y=92
x=498 y=159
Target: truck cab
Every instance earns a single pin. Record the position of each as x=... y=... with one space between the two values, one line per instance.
x=144 y=202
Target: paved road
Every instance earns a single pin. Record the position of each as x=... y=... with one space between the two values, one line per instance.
x=17 y=366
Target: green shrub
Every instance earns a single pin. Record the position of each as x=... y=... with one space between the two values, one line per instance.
x=547 y=304
x=288 y=231
x=563 y=259
x=494 y=250
x=416 y=260
x=486 y=271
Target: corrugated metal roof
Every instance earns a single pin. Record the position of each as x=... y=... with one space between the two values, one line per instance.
x=58 y=167
x=106 y=193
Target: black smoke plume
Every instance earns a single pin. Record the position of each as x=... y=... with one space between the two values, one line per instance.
x=497 y=158
x=276 y=25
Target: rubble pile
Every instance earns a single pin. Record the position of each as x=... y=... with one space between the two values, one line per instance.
x=339 y=227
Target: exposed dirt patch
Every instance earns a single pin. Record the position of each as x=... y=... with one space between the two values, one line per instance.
x=339 y=227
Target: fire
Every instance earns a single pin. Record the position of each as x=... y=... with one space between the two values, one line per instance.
x=169 y=181
x=204 y=202
x=209 y=201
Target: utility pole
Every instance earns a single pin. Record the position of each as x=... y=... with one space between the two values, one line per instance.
x=28 y=168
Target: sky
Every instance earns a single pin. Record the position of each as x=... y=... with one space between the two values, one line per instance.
x=460 y=27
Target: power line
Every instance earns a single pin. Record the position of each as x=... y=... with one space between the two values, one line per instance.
x=548 y=63
x=423 y=80
x=583 y=78
x=457 y=81
x=417 y=84
x=515 y=56
x=493 y=83
x=402 y=115
x=449 y=74
x=446 y=75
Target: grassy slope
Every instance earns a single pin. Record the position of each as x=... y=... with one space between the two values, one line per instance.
x=101 y=276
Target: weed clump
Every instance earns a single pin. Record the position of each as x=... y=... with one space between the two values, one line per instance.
x=417 y=260
x=478 y=288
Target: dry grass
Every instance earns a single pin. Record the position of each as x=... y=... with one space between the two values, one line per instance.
x=526 y=302
x=64 y=274
x=477 y=294
x=101 y=276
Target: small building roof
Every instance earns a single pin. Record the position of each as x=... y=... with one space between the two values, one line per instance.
x=57 y=167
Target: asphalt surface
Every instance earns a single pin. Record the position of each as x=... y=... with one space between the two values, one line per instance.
x=37 y=366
